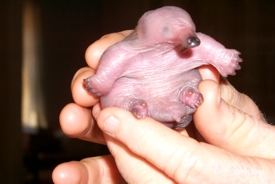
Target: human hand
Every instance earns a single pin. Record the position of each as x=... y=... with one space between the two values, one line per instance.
x=153 y=152
x=76 y=121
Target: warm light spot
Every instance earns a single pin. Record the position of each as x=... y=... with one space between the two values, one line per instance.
x=33 y=107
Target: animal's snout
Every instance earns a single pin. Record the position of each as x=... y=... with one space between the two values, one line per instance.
x=193 y=42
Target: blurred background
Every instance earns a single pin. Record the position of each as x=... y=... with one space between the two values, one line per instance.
x=42 y=45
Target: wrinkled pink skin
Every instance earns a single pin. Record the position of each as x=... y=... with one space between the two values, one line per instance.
x=153 y=72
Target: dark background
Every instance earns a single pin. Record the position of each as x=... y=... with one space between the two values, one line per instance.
x=69 y=27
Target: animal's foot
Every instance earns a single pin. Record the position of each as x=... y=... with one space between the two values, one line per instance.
x=231 y=63
x=190 y=97
x=94 y=86
x=139 y=108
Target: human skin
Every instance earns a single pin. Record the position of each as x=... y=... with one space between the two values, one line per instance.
x=229 y=140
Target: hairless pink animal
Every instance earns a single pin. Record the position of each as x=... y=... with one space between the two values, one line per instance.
x=153 y=72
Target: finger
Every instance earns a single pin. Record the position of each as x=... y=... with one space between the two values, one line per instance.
x=80 y=95
x=91 y=170
x=209 y=72
x=230 y=128
x=76 y=121
x=229 y=93
x=239 y=100
x=180 y=157
x=133 y=168
x=161 y=146
x=94 y=51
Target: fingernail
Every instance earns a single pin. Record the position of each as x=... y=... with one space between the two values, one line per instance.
x=110 y=125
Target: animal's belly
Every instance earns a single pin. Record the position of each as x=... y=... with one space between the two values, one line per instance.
x=159 y=88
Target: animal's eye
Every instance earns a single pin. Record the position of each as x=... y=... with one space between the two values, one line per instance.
x=166 y=30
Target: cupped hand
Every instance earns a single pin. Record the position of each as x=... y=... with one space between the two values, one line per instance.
x=230 y=139
x=76 y=118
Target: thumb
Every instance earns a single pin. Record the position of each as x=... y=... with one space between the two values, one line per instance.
x=227 y=127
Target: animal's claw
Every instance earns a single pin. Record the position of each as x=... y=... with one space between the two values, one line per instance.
x=230 y=67
x=91 y=88
x=191 y=98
